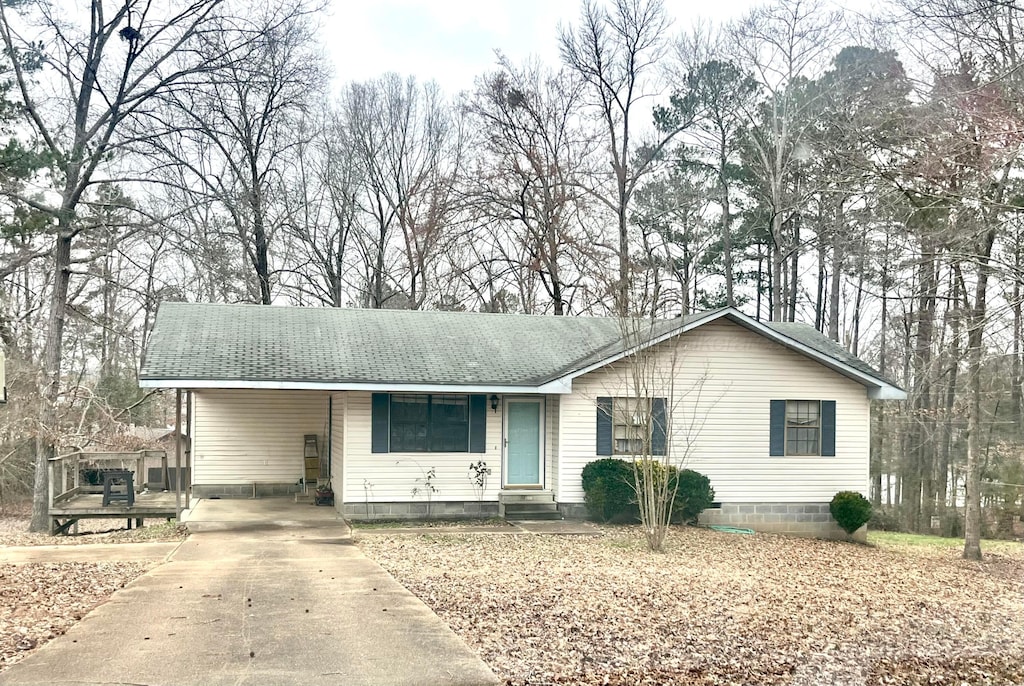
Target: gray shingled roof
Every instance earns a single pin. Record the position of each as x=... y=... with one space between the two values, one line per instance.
x=246 y=343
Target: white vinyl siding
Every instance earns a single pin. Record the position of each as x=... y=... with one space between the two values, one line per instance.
x=241 y=436
x=551 y=442
x=725 y=380
x=337 y=444
x=391 y=477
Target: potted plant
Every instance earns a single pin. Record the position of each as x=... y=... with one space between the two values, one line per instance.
x=324 y=494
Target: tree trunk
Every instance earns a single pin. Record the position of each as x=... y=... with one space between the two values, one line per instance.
x=922 y=442
x=877 y=443
x=51 y=377
x=723 y=164
x=876 y=453
x=976 y=327
x=819 y=300
x=776 y=269
x=1018 y=380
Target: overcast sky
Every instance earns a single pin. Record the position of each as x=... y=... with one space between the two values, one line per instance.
x=452 y=41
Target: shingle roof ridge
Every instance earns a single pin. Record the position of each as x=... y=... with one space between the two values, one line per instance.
x=402 y=312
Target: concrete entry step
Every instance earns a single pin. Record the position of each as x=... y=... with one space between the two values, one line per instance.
x=526 y=496
x=532 y=510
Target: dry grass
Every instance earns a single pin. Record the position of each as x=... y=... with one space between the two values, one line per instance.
x=719 y=608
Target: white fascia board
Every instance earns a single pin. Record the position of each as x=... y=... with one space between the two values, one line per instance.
x=877 y=389
x=558 y=386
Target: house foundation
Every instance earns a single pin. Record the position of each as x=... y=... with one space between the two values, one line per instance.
x=813 y=520
x=459 y=509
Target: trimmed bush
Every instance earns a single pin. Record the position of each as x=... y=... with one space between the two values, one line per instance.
x=851 y=510
x=694 y=495
x=610 y=496
x=608 y=490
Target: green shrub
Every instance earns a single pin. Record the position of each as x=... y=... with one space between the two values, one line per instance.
x=884 y=519
x=608 y=490
x=694 y=495
x=610 y=496
x=851 y=510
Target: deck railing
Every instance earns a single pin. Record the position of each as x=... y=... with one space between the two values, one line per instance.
x=66 y=470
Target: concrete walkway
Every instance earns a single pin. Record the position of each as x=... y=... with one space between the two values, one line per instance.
x=89 y=552
x=275 y=604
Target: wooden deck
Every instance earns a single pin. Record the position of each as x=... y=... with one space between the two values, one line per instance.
x=90 y=505
x=71 y=500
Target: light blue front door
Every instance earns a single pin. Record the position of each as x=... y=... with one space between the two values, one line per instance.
x=523 y=442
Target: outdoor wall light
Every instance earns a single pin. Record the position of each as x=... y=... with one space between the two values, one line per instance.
x=494 y=403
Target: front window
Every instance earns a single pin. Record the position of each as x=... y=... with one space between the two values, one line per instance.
x=429 y=423
x=803 y=427
x=631 y=426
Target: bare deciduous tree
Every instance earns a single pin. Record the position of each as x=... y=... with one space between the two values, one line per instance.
x=108 y=64
x=614 y=51
x=528 y=174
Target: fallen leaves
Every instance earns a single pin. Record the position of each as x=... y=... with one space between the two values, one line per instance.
x=40 y=601
x=14 y=531
x=717 y=608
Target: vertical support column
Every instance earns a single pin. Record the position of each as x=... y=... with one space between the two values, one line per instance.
x=52 y=485
x=177 y=452
x=188 y=449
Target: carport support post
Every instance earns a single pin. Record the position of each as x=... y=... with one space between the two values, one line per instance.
x=177 y=452
x=188 y=448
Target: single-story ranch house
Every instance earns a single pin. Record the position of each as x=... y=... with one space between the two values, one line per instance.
x=396 y=406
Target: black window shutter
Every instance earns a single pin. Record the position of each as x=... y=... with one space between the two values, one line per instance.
x=478 y=423
x=659 y=425
x=604 y=426
x=379 y=422
x=777 y=441
x=828 y=428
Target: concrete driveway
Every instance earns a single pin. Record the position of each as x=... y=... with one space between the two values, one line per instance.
x=276 y=604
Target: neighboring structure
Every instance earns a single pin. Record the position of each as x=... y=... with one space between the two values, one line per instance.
x=776 y=415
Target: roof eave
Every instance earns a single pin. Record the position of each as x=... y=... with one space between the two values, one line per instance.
x=557 y=386
x=887 y=392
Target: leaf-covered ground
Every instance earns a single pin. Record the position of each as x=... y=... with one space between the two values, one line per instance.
x=40 y=601
x=719 y=608
x=14 y=531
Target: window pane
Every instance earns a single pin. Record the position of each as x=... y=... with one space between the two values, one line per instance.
x=429 y=423
x=802 y=441
x=449 y=423
x=803 y=412
x=408 y=422
x=803 y=427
